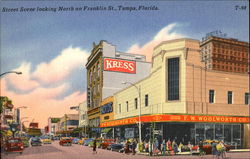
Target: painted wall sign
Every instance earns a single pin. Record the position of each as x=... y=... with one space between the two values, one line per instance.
x=119 y=65
x=177 y=118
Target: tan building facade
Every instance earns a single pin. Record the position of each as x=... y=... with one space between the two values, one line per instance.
x=187 y=101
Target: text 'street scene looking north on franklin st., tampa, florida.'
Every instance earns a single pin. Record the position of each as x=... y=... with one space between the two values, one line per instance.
x=125 y=79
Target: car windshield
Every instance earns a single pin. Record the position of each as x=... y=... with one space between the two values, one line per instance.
x=14 y=141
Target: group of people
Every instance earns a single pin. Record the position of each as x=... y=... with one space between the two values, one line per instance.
x=219 y=149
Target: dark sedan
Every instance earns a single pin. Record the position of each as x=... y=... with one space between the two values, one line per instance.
x=35 y=141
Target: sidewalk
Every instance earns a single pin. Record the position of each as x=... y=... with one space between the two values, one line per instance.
x=189 y=153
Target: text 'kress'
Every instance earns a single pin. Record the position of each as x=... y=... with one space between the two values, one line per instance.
x=119 y=65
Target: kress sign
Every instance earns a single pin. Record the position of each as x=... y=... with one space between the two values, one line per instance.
x=119 y=65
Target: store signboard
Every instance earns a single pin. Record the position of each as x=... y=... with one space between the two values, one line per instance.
x=118 y=65
x=177 y=118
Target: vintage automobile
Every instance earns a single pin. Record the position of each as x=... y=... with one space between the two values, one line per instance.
x=106 y=142
x=65 y=141
x=87 y=141
x=98 y=143
x=25 y=141
x=116 y=147
x=14 y=145
x=75 y=140
x=46 y=140
x=207 y=147
x=35 y=141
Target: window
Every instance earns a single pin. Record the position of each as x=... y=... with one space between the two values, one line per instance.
x=173 y=79
x=146 y=100
x=120 y=108
x=247 y=98
x=211 y=96
x=127 y=105
x=229 y=97
x=136 y=103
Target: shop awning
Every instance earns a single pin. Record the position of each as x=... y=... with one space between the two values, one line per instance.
x=106 y=130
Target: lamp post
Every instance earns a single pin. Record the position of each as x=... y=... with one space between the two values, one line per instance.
x=139 y=112
x=16 y=72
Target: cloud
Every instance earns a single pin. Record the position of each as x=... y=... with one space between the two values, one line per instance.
x=166 y=33
x=22 y=82
x=61 y=66
x=41 y=88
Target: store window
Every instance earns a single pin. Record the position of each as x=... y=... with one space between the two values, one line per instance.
x=237 y=135
x=218 y=132
x=200 y=132
x=247 y=98
x=127 y=105
x=229 y=97
x=120 y=108
x=173 y=79
x=227 y=133
x=136 y=103
x=209 y=129
x=211 y=96
x=146 y=100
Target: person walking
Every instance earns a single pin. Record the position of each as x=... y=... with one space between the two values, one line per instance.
x=133 y=146
x=214 y=150
x=164 y=147
x=169 y=146
x=94 y=147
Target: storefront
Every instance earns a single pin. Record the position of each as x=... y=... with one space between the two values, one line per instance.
x=182 y=128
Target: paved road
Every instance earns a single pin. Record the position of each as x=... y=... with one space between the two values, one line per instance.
x=55 y=151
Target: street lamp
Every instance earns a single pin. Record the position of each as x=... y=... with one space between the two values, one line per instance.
x=139 y=112
x=16 y=72
x=21 y=129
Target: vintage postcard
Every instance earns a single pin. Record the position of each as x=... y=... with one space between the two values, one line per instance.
x=125 y=79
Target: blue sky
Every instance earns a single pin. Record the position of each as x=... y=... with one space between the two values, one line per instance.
x=29 y=39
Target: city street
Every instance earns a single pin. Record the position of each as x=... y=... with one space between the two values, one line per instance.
x=55 y=151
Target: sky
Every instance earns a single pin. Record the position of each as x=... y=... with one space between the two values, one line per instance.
x=51 y=48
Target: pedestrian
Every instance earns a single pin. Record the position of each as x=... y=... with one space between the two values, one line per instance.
x=169 y=146
x=175 y=147
x=127 y=147
x=214 y=150
x=133 y=146
x=94 y=147
x=147 y=146
x=180 y=147
x=201 y=151
x=164 y=147
x=221 y=149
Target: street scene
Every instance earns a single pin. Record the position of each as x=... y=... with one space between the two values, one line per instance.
x=54 y=150
x=125 y=79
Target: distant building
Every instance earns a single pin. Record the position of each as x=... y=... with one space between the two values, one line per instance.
x=83 y=117
x=106 y=70
x=68 y=122
x=33 y=125
x=225 y=54
x=7 y=112
x=53 y=125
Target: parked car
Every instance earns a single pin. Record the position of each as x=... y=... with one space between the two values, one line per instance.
x=65 y=141
x=106 y=143
x=87 y=141
x=35 y=141
x=46 y=140
x=75 y=140
x=207 y=147
x=98 y=143
x=115 y=147
x=25 y=141
x=14 y=145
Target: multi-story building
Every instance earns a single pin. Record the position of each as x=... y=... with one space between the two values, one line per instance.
x=7 y=112
x=184 y=100
x=83 y=118
x=106 y=70
x=225 y=54
x=52 y=125
x=68 y=122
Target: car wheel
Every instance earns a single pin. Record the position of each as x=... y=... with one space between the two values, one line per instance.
x=21 y=152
